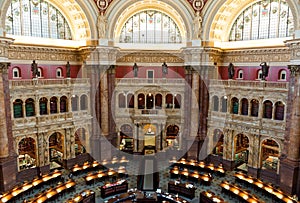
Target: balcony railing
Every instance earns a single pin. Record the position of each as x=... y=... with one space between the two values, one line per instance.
x=49 y=82
x=153 y=81
x=249 y=84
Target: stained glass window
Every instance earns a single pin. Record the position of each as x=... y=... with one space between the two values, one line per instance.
x=36 y=18
x=150 y=27
x=263 y=20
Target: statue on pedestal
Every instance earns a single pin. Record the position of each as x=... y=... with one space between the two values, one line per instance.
x=101 y=25
x=34 y=69
x=164 y=69
x=68 y=69
x=230 y=71
x=197 y=26
x=135 y=70
x=265 y=70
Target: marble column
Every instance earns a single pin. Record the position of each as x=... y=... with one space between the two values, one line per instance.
x=187 y=106
x=8 y=158
x=290 y=162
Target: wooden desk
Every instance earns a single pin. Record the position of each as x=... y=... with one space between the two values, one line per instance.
x=86 y=196
x=181 y=189
x=209 y=197
x=114 y=188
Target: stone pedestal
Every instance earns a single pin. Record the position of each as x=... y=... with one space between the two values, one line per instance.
x=8 y=171
x=228 y=165
x=253 y=172
x=289 y=176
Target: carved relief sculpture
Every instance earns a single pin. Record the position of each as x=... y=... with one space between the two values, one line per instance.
x=101 y=25
x=197 y=25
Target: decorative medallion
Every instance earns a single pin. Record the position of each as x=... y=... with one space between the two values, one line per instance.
x=198 y=4
x=102 y=4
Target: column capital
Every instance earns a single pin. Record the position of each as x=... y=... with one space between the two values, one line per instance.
x=294 y=69
x=4 y=67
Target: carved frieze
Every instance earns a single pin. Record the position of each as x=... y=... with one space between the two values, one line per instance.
x=294 y=46
x=257 y=55
x=294 y=69
x=16 y=52
x=149 y=57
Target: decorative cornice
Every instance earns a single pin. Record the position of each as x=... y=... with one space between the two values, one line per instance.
x=294 y=46
x=4 y=45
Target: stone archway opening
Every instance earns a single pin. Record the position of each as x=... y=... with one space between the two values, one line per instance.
x=27 y=153
x=56 y=146
x=241 y=151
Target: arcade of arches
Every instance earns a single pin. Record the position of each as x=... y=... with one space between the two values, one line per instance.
x=89 y=80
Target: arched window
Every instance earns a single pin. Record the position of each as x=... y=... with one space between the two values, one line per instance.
x=279 y=111
x=59 y=73
x=16 y=72
x=263 y=20
x=244 y=107
x=18 y=108
x=259 y=74
x=27 y=153
x=83 y=102
x=215 y=103
x=43 y=106
x=224 y=104
x=254 y=107
x=150 y=26
x=37 y=19
x=268 y=107
x=74 y=101
x=53 y=105
x=282 y=75
x=240 y=74
x=63 y=104
x=122 y=100
x=169 y=101
x=150 y=101
x=234 y=105
x=141 y=101
x=158 y=101
x=270 y=155
x=177 y=101
x=29 y=107
x=130 y=101
x=40 y=72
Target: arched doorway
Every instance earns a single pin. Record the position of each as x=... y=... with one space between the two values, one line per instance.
x=80 y=141
x=27 y=153
x=218 y=141
x=241 y=151
x=270 y=155
x=172 y=136
x=126 y=138
x=56 y=146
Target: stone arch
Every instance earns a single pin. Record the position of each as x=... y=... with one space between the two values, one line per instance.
x=218 y=12
x=180 y=11
x=27 y=152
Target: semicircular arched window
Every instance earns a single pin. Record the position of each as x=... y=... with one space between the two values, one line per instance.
x=36 y=18
x=150 y=26
x=263 y=20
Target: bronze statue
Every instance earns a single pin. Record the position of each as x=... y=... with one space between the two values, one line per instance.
x=164 y=69
x=34 y=69
x=68 y=70
x=230 y=71
x=265 y=70
x=135 y=70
